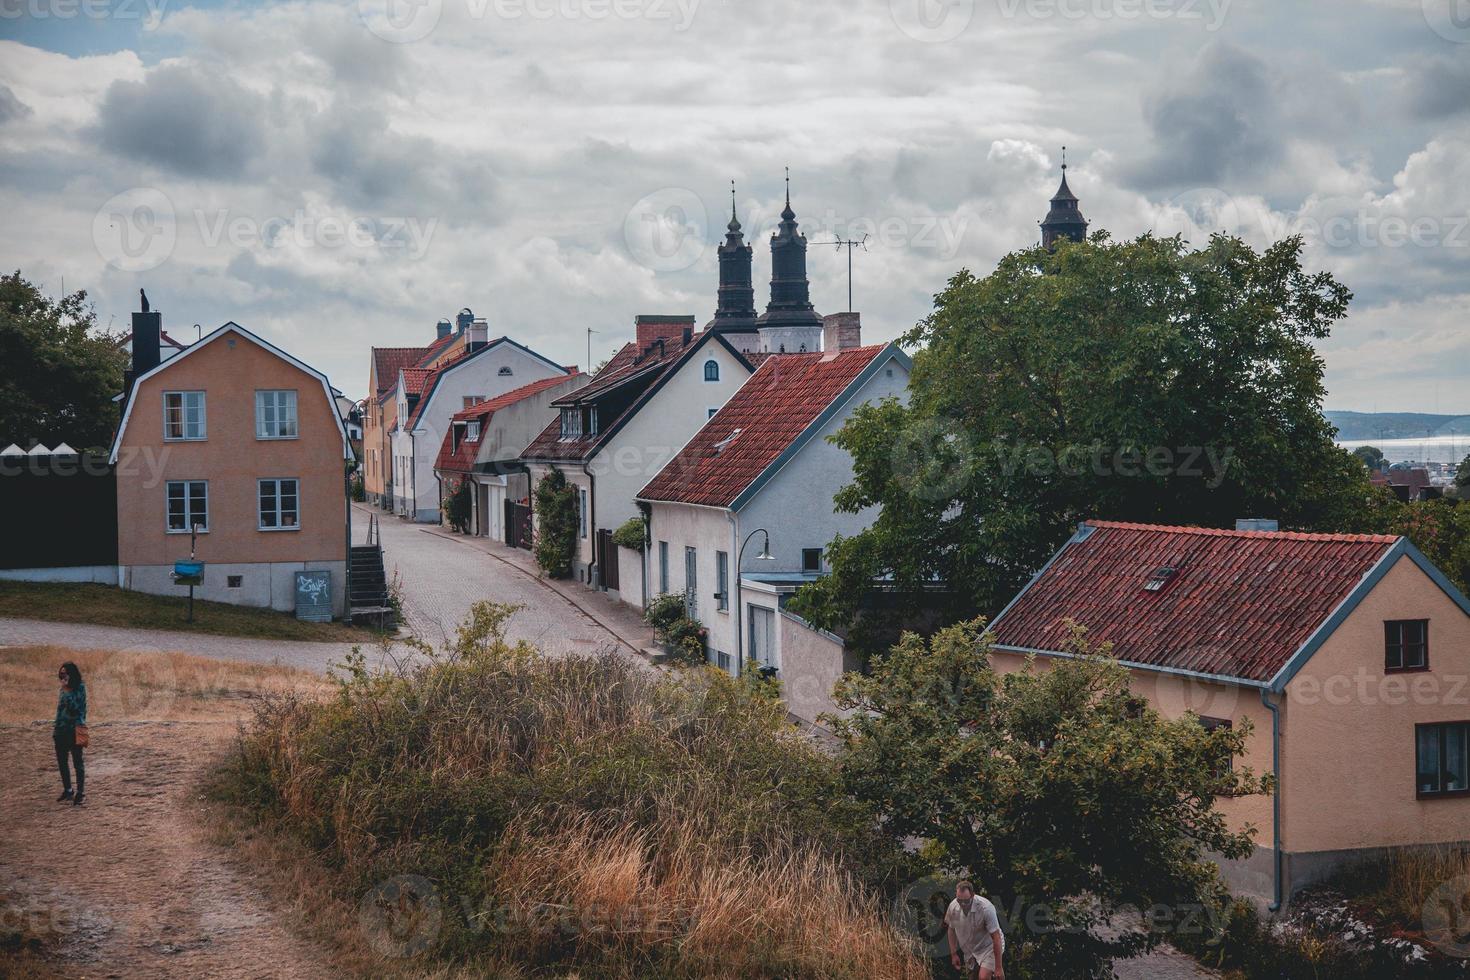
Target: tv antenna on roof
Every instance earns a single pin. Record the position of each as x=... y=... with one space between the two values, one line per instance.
x=849 y=245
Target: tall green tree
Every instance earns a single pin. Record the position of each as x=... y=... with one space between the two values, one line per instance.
x=1062 y=795
x=1137 y=380
x=58 y=373
x=1372 y=457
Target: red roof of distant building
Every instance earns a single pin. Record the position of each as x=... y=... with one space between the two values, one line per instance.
x=413 y=380
x=1230 y=603
x=388 y=361
x=462 y=459
x=759 y=422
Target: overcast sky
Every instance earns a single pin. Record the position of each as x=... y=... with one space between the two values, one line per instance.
x=338 y=176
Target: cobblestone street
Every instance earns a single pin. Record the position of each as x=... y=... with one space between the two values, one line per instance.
x=442 y=574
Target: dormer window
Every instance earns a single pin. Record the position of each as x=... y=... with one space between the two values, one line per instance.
x=571 y=423
x=711 y=370
x=472 y=431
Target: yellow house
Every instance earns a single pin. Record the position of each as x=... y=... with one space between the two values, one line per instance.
x=236 y=449
x=1350 y=654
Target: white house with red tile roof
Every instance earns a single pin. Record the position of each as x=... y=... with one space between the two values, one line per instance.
x=1348 y=654
x=428 y=399
x=484 y=444
x=760 y=478
x=618 y=431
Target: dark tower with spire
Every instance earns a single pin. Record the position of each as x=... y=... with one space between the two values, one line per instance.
x=735 y=305
x=790 y=323
x=1064 y=220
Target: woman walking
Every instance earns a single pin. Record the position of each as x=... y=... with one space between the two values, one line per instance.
x=71 y=722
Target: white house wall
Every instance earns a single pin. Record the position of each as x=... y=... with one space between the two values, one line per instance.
x=659 y=430
x=795 y=506
x=478 y=375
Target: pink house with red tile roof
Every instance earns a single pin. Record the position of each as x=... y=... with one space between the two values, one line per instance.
x=739 y=518
x=1348 y=654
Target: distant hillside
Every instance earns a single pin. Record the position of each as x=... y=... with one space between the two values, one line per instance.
x=1396 y=425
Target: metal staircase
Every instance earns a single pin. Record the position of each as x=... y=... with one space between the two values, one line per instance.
x=368 y=582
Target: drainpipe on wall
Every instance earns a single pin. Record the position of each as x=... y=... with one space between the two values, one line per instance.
x=735 y=552
x=1275 y=710
x=647 y=510
x=592 y=568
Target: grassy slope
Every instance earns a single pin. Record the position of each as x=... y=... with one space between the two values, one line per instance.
x=104 y=605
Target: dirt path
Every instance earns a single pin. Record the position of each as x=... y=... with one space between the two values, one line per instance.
x=129 y=884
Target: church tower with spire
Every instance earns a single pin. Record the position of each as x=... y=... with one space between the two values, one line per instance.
x=1064 y=220
x=790 y=324
x=735 y=315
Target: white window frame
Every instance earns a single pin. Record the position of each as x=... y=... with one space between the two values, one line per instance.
x=184 y=397
x=582 y=512
x=722 y=582
x=472 y=431
x=189 y=521
x=261 y=395
x=260 y=513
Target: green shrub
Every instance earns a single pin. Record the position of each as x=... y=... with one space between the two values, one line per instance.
x=459 y=506
x=556 y=524
x=672 y=627
x=630 y=534
x=576 y=815
x=359 y=489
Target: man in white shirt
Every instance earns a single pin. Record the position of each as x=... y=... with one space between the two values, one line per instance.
x=975 y=939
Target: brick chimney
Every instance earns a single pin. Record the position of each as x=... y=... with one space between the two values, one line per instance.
x=478 y=333
x=841 y=331
x=650 y=327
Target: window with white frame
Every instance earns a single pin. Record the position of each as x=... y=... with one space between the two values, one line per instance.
x=275 y=415
x=280 y=504
x=183 y=415
x=187 y=505
x=472 y=431
x=581 y=512
x=722 y=581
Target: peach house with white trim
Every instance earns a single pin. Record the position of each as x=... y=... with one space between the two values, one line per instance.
x=238 y=441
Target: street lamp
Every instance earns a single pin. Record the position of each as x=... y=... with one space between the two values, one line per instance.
x=765 y=555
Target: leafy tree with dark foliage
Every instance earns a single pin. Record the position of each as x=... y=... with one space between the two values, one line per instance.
x=556 y=524
x=59 y=374
x=1137 y=380
x=1062 y=795
x=458 y=507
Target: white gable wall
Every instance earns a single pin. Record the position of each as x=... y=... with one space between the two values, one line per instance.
x=416 y=451
x=657 y=432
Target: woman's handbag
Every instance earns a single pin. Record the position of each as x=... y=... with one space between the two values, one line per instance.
x=82 y=738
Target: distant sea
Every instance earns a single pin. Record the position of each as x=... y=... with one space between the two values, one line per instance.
x=1425 y=449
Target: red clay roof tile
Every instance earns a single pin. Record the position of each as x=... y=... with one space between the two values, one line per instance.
x=463 y=460
x=1238 y=603
x=785 y=394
